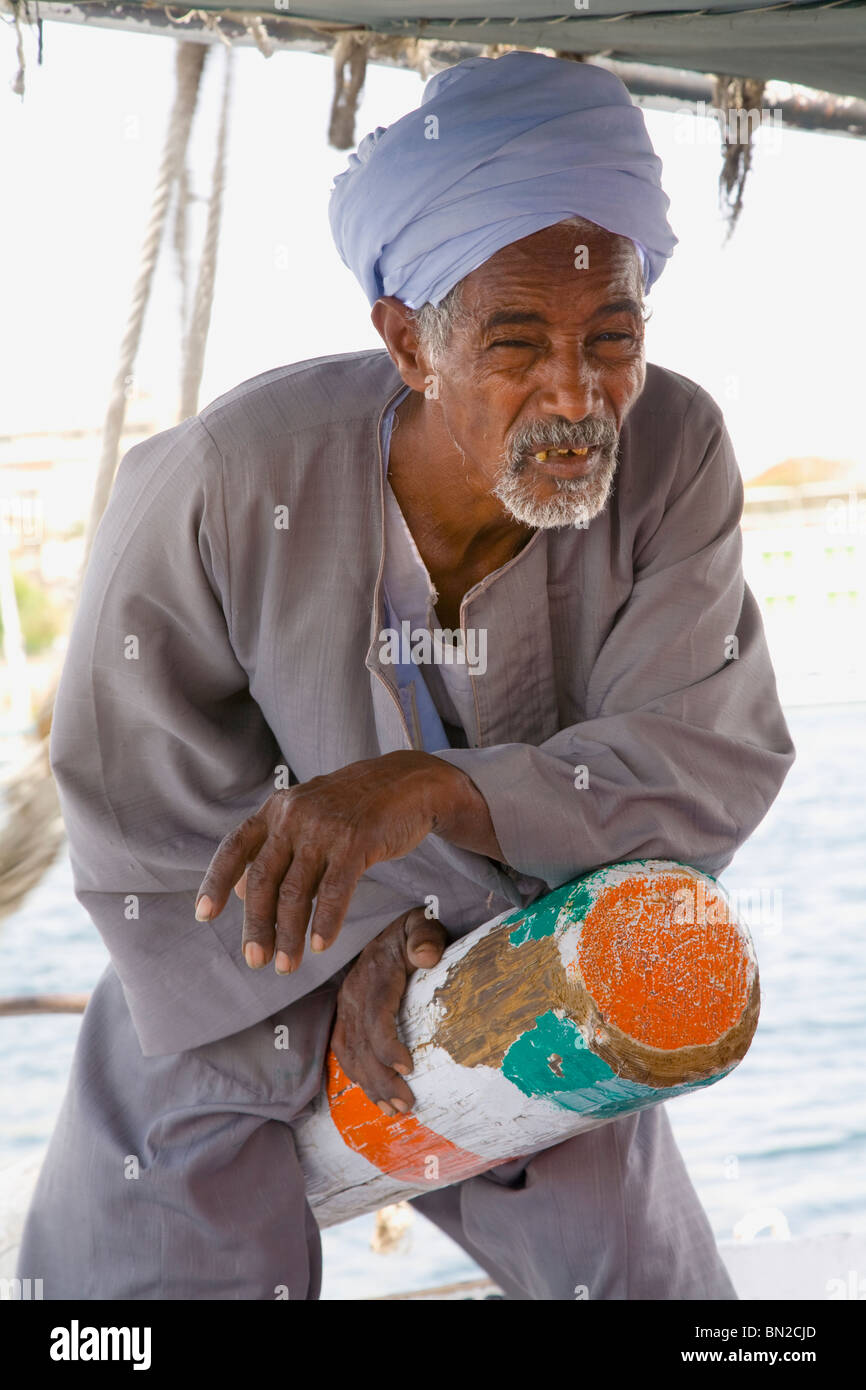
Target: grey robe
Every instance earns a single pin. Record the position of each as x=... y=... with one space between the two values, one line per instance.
x=214 y=645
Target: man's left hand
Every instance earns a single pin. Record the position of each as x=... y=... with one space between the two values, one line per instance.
x=365 y=1037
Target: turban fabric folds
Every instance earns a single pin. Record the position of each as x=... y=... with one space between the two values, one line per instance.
x=498 y=149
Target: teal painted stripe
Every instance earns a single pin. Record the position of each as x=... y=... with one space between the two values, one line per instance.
x=540 y=918
x=553 y=1060
x=528 y=1060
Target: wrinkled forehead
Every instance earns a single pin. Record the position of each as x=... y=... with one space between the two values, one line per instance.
x=561 y=264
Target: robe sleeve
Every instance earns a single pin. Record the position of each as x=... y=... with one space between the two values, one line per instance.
x=159 y=749
x=155 y=740
x=684 y=745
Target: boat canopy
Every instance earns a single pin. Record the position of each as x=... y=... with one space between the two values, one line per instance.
x=815 y=45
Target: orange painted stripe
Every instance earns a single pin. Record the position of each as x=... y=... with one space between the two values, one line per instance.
x=662 y=963
x=399 y=1145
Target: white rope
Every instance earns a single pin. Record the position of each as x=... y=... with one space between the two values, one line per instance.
x=33 y=830
x=17 y=83
x=259 y=33
x=350 y=56
x=188 y=71
x=199 y=322
x=181 y=203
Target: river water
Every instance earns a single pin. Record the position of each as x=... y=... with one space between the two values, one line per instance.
x=782 y=1139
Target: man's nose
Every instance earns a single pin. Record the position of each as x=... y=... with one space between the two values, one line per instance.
x=570 y=388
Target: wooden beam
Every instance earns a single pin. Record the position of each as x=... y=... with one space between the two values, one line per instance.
x=618 y=991
x=15 y=1005
x=615 y=992
x=656 y=87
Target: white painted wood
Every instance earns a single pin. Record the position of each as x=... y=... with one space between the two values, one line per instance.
x=476 y=1108
x=470 y=1117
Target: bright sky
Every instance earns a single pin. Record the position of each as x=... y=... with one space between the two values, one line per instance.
x=771 y=324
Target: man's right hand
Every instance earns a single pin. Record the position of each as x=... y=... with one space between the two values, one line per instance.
x=365 y=1034
x=315 y=840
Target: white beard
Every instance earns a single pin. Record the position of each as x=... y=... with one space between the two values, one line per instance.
x=575 y=502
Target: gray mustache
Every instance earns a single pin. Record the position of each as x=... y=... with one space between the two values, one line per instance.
x=539 y=435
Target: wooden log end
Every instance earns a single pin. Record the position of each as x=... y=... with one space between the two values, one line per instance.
x=670 y=976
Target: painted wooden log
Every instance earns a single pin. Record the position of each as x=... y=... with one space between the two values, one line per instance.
x=615 y=992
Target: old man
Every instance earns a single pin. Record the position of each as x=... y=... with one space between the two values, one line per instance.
x=239 y=710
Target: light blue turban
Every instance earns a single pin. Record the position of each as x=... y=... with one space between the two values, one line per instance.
x=519 y=142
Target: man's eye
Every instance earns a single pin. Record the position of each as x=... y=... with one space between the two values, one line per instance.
x=617 y=337
x=511 y=342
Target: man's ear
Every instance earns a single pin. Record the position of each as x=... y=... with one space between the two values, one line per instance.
x=393 y=322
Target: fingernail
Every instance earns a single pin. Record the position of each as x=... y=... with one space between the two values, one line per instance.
x=402 y=1069
x=254 y=955
x=316 y=943
x=203 y=909
x=399 y=1105
x=385 y=1108
x=283 y=964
